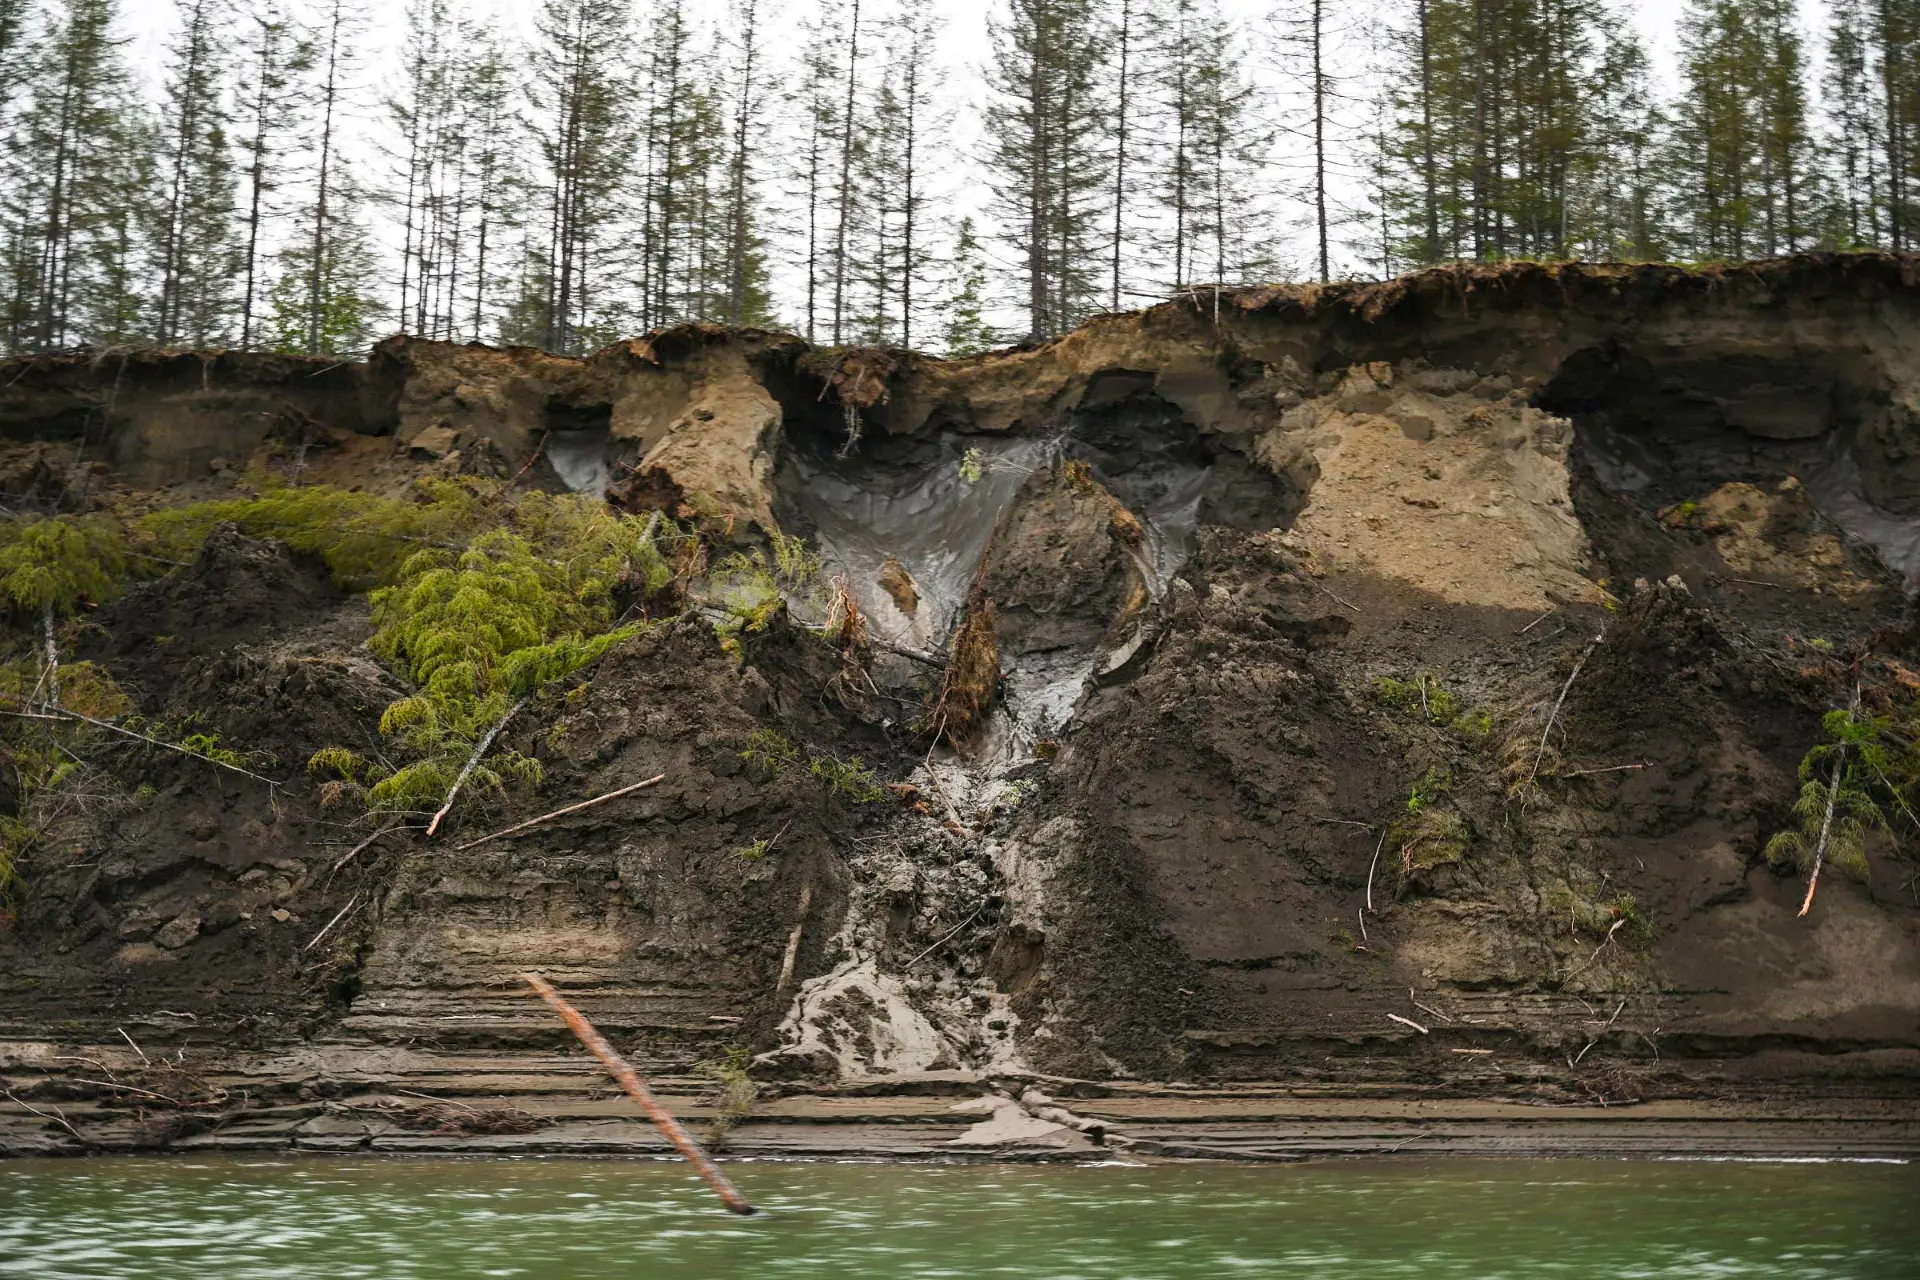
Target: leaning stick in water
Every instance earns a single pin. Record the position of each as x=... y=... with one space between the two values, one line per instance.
x=630 y=1081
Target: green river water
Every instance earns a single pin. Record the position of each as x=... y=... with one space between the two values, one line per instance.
x=230 y=1219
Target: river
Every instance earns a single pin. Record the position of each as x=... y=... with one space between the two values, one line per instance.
x=230 y=1219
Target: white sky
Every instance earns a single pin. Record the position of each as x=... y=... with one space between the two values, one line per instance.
x=966 y=50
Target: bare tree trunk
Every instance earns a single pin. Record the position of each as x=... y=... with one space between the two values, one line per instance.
x=846 y=180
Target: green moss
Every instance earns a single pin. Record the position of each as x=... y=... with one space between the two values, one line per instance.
x=848 y=779
x=1423 y=696
x=771 y=751
x=1637 y=932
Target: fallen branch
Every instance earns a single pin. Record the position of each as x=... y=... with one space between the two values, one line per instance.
x=636 y=1089
x=1444 y=1017
x=473 y=762
x=1561 y=702
x=559 y=813
x=1612 y=768
x=793 y=937
x=1409 y=1022
x=62 y=713
x=531 y=458
x=144 y=1061
x=1826 y=828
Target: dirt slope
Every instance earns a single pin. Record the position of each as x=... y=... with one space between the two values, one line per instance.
x=1285 y=785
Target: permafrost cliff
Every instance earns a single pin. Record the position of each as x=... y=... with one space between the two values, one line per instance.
x=1282 y=803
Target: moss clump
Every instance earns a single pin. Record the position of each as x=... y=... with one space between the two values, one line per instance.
x=1423 y=696
x=476 y=631
x=1430 y=834
x=848 y=779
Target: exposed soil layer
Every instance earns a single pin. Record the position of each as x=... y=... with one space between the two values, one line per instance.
x=1371 y=657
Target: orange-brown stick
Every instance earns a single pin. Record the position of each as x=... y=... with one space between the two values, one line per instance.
x=630 y=1081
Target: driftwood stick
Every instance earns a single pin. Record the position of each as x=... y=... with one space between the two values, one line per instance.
x=144 y=1060
x=1560 y=702
x=560 y=813
x=794 y=936
x=636 y=1089
x=1444 y=1017
x=1409 y=1022
x=472 y=763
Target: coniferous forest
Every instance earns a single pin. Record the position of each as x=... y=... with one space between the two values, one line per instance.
x=283 y=180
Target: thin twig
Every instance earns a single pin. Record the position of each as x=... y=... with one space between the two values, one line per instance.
x=943 y=941
x=1612 y=768
x=1362 y=914
x=1537 y=621
x=1375 y=863
x=1603 y=1031
x=559 y=813
x=366 y=844
x=1596 y=951
x=62 y=713
x=144 y=1061
x=1409 y=1022
x=1336 y=599
x=1548 y=731
x=58 y=1116
x=1444 y=1017
x=329 y=927
x=531 y=458
x=473 y=762
x=115 y=1084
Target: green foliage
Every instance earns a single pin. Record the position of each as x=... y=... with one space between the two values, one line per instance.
x=849 y=779
x=770 y=751
x=753 y=850
x=54 y=563
x=1423 y=696
x=735 y=1091
x=1637 y=931
x=973 y=466
x=1837 y=782
x=1430 y=834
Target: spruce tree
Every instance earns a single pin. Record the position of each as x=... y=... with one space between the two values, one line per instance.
x=580 y=123
x=276 y=56
x=1045 y=124
x=80 y=189
x=748 y=301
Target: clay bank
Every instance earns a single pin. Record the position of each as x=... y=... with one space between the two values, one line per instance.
x=1309 y=720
